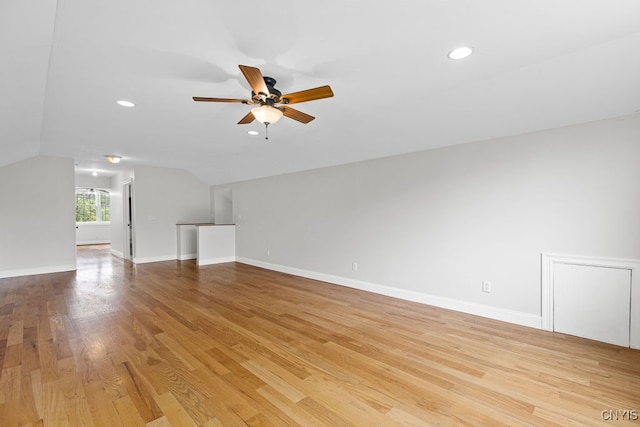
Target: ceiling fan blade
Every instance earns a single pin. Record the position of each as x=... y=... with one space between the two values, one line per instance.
x=308 y=95
x=255 y=79
x=201 y=99
x=247 y=119
x=296 y=115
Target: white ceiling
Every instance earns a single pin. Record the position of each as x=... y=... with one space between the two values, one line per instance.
x=537 y=65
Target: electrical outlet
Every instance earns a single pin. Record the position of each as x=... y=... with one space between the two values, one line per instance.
x=486 y=286
x=354 y=266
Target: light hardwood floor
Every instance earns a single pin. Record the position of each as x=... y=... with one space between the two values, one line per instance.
x=172 y=344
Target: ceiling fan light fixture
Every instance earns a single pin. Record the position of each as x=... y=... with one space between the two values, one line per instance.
x=266 y=114
x=113 y=159
x=460 y=52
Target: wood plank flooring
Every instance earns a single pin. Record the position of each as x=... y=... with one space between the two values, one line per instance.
x=172 y=344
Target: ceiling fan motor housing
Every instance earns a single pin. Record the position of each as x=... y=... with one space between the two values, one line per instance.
x=274 y=94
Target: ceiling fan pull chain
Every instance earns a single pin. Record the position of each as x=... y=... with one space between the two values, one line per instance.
x=266 y=130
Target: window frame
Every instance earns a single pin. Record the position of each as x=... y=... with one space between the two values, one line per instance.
x=99 y=192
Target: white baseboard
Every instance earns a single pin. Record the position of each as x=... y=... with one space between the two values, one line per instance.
x=93 y=242
x=510 y=316
x=182 y=258
x=37 y=270
x=216 y=260
x=137 y=260
x=117 y=253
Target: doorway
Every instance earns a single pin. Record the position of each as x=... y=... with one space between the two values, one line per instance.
x=127 y=203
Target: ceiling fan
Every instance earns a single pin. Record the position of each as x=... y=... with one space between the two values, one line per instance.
x=270 y=103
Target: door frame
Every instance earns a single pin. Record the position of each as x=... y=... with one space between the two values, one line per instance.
x=128 y=248
x=548 y=264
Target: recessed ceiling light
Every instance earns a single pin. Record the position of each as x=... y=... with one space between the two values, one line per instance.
x=253 y=132
x=113 y=159
x=460 y=52
x=126 y=103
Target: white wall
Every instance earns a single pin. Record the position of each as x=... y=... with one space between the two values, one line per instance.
x=92 y=233
x=90 y=181
x=222 y=205
x=162 y=198
x=37 y=216
x=431 y=226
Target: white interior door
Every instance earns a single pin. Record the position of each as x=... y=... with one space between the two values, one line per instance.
x=592 y=302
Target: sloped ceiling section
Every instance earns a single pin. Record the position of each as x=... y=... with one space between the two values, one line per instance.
x=536 y=65
x=26 y=34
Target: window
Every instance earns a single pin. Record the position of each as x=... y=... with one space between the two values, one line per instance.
x=105 y=206
x=92 y=205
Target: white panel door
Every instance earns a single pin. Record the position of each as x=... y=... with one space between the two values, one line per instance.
x=592 y=302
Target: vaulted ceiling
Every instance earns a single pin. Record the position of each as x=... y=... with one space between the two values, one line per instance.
x=536 y=65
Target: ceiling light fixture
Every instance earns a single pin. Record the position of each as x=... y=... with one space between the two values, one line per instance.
x=460 y=52
x=113 y=159
x=126 y=103
x=253 y=132
x=268 y=115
